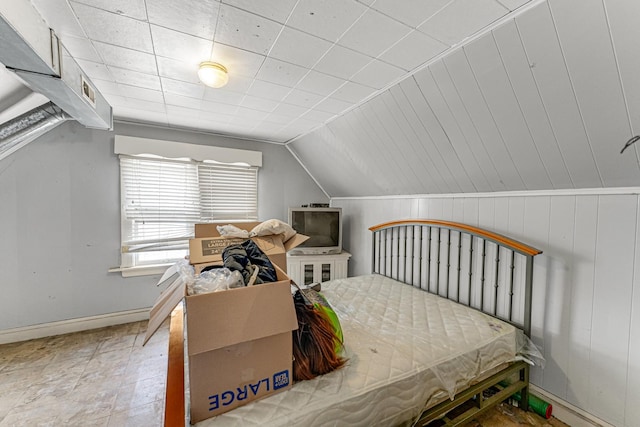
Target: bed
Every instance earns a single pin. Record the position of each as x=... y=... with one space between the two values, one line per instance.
x=438 y=330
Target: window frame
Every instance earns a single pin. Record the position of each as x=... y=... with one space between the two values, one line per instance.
x=203 y=158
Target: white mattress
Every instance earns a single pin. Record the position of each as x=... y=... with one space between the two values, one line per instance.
x=406 y=348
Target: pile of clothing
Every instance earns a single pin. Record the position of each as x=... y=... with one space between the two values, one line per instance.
x=247 y=259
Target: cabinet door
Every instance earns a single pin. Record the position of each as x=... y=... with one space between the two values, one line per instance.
x=317 y=271
x=326 y=271
x=308 y=273
x=339 y=269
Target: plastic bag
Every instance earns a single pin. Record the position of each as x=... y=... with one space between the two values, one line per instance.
x=528 y=351
x=231 y=230
x=319 y=301
x=218 y=279
x=317 y=342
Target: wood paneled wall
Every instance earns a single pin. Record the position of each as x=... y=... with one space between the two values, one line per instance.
x=586 y=317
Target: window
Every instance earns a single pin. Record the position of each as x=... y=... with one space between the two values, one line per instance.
x=162 y=198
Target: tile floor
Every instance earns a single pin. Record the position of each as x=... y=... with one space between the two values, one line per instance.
x=102 y=377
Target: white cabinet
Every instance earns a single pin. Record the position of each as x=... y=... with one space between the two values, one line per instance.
x=306 y=269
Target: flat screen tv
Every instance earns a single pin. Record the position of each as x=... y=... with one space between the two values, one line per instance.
x=322 y=225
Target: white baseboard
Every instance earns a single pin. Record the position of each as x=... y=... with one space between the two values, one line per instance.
x=568 y=413
x=72 y=325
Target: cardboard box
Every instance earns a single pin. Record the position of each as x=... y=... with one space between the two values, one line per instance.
x=211 y=229
x=207 y=246
x=239 y=344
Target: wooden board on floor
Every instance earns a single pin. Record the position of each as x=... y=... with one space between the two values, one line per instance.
x=174 y=413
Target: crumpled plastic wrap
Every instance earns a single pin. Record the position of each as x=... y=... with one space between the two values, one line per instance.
x=217 y=279
x=231 y=230
x=528 y=351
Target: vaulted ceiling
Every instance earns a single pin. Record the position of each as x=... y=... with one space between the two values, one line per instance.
x=545 y=100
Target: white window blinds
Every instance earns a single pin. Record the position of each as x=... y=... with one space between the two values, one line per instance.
x=163 y=198
x=228 y=192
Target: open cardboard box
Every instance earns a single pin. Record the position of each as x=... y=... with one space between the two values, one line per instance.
x=239 y=344
x=207 y=246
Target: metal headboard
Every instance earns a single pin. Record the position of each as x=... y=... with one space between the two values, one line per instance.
x=452 y=260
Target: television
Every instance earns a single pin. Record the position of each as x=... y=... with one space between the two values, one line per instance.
x=322 y=225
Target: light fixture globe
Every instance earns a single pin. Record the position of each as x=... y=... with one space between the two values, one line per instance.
x=213 y=74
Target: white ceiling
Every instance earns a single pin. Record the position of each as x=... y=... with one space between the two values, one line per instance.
x=293 y=64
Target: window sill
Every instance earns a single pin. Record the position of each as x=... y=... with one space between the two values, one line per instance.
x=143 y=270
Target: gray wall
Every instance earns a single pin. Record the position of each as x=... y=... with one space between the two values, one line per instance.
x=60 y=221
x=586 y=297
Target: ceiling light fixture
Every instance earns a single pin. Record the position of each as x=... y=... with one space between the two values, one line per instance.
x=213 y=74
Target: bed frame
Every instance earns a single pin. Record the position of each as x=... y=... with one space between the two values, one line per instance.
x=475 y=267
x=478 y=268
